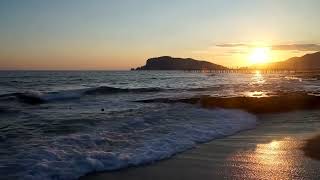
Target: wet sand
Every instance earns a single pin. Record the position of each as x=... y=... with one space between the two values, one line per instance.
x=274 y=150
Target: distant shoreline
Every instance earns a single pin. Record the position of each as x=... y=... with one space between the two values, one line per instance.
x=307 y=62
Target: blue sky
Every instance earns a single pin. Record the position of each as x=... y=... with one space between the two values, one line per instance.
x=113 y=34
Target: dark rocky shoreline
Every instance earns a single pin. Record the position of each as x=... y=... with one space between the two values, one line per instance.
x=256 y=105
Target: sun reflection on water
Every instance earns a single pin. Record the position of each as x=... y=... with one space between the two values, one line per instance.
x=257 y=78
x=256 y=94
x=257 y=81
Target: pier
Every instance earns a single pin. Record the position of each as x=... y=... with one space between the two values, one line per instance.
x=249 y=71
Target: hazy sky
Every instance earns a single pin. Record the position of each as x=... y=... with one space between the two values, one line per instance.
x=119 y=34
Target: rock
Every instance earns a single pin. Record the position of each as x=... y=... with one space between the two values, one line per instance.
x=171 y=63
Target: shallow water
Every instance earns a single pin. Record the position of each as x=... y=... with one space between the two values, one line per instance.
x=273 y=150
x=62 y=125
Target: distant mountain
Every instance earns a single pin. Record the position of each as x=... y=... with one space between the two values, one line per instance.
x=306 y=62
x=171 y=63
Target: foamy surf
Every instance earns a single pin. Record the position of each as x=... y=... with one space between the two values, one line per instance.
x=36 y=97
x=154 y=135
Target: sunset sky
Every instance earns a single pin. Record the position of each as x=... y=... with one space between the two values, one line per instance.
x=120 y=34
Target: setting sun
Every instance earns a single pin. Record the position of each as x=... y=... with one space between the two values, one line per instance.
x=259 y=55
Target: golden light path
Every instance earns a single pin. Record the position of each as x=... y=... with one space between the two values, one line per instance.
x=257 y=80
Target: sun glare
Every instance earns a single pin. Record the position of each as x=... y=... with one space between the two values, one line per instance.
x=259 y=56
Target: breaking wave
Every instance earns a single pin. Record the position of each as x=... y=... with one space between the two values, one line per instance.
x=35 y=97
x=157 y=134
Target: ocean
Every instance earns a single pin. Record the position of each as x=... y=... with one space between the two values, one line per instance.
x=65 y=124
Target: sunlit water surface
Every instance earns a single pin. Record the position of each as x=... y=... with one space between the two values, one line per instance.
x=89 y=121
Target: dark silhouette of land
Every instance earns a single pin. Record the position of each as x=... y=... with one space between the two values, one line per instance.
x=306 y=62
x=171 y=63
x=273 y=104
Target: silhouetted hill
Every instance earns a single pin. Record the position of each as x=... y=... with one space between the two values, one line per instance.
x=171 y=63
x=306 y=62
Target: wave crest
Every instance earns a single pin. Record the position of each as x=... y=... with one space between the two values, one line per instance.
x=34 y=97
x=110 y=90
x=158 y=134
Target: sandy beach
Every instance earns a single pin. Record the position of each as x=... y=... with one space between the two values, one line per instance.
x=274 y=150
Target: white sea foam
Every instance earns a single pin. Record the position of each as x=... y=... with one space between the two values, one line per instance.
x=155 y=135
x=36 y=97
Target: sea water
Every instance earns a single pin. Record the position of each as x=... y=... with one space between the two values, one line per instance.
x=65 y=124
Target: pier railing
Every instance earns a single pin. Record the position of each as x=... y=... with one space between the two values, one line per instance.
x=263 y=71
